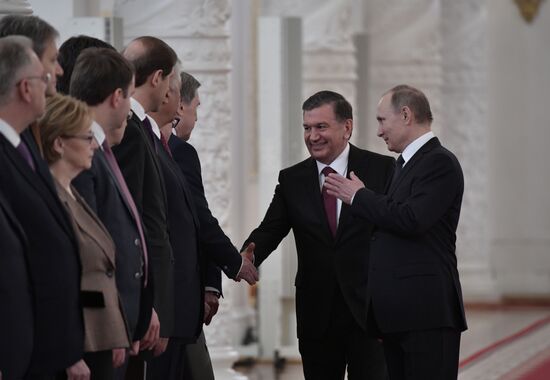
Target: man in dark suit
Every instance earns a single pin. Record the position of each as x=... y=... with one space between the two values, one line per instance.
x=26 y=183
x=136 y=155
x=332 y=244
x=213 y=242
x=16 y=319
x=105 y=81
x=189 y=260
x=414 y=290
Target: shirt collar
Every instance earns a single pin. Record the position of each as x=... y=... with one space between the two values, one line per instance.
x=154 y=126
x=9 y=133
x=413 y=147
x=99 y=134
x=340 y=164
x=137 y=108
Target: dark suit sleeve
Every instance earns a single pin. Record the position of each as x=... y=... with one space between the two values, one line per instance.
x=130 y=155
x=213 y=277
x=273 y=229
x=85 y=185
x=214 y=242
x=437 y=183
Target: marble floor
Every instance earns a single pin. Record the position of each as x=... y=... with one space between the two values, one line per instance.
x=486 y=326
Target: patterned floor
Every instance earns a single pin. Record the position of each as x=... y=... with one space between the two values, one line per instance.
x=501 y=344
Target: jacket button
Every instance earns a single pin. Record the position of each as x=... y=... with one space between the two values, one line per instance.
x=109 y=273
x=137 y=242
x=137 y=275
x=373 y=238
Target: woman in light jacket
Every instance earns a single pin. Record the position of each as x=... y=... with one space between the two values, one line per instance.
x=69 y=147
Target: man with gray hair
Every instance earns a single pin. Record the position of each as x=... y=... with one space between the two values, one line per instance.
x=16 y=319
x=52 y=255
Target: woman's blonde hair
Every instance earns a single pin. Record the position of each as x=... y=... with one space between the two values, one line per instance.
x=64 y=116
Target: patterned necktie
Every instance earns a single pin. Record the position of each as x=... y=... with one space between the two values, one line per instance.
x=126 y=192
x=329 y=202
x=26 y=154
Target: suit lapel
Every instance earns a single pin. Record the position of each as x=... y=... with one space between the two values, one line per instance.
x=354 y=165
x=431 y=144
x=103 y=161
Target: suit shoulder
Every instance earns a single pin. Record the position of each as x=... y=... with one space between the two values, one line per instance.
x=296 y=169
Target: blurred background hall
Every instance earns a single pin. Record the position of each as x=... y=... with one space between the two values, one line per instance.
x=484 y=65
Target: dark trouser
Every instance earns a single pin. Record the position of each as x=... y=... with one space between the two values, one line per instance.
x=170 y=365
x=100 y=364
x=200 y=365
x=423 y=355
x=344 y=344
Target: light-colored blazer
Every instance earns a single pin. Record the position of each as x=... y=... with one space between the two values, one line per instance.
x=104 y=321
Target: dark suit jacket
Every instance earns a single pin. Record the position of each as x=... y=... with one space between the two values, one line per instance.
x=189 y=263
x=138 y=161
x=16 y=318
x=413 y=277
x=324 y=262
x=99 y=187
x=214 y=242
x=53 y=258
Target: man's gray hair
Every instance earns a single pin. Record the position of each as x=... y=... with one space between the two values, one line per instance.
x=14 y=55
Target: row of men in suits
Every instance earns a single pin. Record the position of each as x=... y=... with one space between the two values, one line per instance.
x=375 y=240
x=169 y=247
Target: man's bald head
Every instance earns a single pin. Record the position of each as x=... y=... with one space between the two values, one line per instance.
x=149 y=54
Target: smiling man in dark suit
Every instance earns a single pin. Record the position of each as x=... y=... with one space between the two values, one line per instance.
x=414 y=289
x=332 y=244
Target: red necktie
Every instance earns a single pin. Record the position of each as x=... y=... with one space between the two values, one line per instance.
x=122 y=183
x=329 y=202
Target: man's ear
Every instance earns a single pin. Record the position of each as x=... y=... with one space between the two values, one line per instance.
x=406 y=114
x=24 y=91
x=349 y=128
x=116 y=97
x=156 y=78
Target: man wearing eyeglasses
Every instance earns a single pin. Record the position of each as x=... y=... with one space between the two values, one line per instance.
x=52 y=254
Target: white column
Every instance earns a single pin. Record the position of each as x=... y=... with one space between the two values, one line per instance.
x=465 y=131
x=198 y=30
x=280 y=143
x=519 y=89
x=15 y=7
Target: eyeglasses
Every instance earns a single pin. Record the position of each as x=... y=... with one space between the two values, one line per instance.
x=88 y=138
x=46 y=78
x=175 y=122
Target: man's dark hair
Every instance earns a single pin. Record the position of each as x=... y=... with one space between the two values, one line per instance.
x=155 y=55
x=69 y=52
x=405 y=95
x=97 y=73
x=38 y=30
x=341 y=107
x=189 y=87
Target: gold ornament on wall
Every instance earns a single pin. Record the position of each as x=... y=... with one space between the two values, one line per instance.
x=528 y=8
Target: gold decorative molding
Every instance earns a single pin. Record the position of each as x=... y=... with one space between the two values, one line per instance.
x=528 y=8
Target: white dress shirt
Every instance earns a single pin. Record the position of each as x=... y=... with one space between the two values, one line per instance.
x=98 y=133
x=340 y=166
x=413 y=147
x=9 y=133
